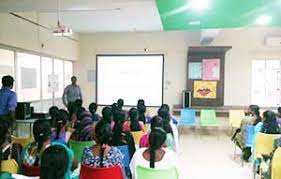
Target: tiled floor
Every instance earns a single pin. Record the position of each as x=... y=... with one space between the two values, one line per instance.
x=208 y=157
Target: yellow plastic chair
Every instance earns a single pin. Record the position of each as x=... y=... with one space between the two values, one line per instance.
x=24 y=141
x=10 y=166
x=235 y=118
x=137 y=136
x=276 y=165
x=146 y=128
x=264 y=144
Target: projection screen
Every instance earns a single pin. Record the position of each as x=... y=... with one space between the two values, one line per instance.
x=130 y=77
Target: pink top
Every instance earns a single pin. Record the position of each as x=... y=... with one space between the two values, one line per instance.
x=144 y=141
x=127 y=126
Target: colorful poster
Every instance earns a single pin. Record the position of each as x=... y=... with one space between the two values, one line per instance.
x=211 y=69
x=205 y=89
x=195 y=70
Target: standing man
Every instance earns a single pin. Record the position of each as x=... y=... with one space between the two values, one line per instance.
x=8 y=100
x=71 y=93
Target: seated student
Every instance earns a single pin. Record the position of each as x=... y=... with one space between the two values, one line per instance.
x=7 y=150
x=56 y=162
x=156 y=121
x=164 y=113
x=32 y=152
x=155 y=156
x=142 y=110
x=239 y=137
x=120 y=104
x=84 y=130
x=79 y=104
x=93 y=109
x=53 y=112
x=121 y=137
x=134 y=124
x=102 y=154
x=107 y=116
x=60 y=134
x=270 y=125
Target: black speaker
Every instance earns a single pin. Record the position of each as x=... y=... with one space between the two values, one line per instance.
x=23 y=110
x=186 y=99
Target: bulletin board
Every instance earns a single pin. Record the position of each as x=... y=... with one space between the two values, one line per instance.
x=205 y=75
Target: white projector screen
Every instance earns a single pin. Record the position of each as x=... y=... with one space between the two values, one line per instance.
x=130 y=77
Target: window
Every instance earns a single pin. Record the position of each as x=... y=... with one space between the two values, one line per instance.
x=266 y=83
x=47 y=71
x=33 y=76
x=28 y=77
x=68 y=72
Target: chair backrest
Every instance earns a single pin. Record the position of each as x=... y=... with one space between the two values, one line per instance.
x=208 y=117
x=236 y=117
x=150 y=173
x=250 y=133
x=10 y=166
x=87 y=172
x=276 y=164
x=187 y=116
x=29 y=170
x=146 y=128
x=23 y=141
x=78 y=147
x=137 y=136
x=264 y=144
x=125 y=151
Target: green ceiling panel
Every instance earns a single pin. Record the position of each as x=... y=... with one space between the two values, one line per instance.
x=176 y=15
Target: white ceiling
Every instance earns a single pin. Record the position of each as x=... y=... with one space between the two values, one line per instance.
x=86 y=16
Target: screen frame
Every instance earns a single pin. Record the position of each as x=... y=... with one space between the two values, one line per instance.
x=133 y=55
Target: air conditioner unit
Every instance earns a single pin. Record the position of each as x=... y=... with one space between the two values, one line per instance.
x=273 y=41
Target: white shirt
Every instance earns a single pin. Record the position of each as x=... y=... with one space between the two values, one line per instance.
x=176 y=136
x=168 y=161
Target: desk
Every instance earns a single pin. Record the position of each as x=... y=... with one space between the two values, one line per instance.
x=27 y=121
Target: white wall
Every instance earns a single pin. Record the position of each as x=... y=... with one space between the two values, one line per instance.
x=247 y=45
x=18 y=33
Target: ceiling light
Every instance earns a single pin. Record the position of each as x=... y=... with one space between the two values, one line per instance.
x=199 y=5
x=263 y=20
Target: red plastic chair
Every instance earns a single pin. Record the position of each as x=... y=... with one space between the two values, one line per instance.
x=100 y=173
x=29 y=170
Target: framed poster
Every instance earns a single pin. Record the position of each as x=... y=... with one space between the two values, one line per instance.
x=211 y=69
x=205 y=89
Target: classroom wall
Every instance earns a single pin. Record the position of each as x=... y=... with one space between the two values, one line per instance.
x=21 y=34
x=247 y=45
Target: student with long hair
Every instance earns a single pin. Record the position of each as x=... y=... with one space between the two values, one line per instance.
x=121 y=137
x=60 y=134
x=134 y=124
x=102 y=154
x=54 y=163
x=84 y=130
x=156 y=121
x=53 y=112
x=155 y=156
x=7 y=150
x=142 y=110
x=269 y=123
x=33 y=151
x=93 y=109
x=253 y=118
x=107 y=116
x=169 y=126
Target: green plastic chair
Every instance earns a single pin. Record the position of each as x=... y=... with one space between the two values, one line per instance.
x=78 y=147
x=151 y=173
x=208 y=117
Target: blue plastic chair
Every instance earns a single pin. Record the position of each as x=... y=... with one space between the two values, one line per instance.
x=187 y=117
x=126 y=160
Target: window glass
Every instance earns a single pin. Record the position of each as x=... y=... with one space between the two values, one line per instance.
x=28 y=77
x=68 y=72
x=47 y=71
x=6 y=63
